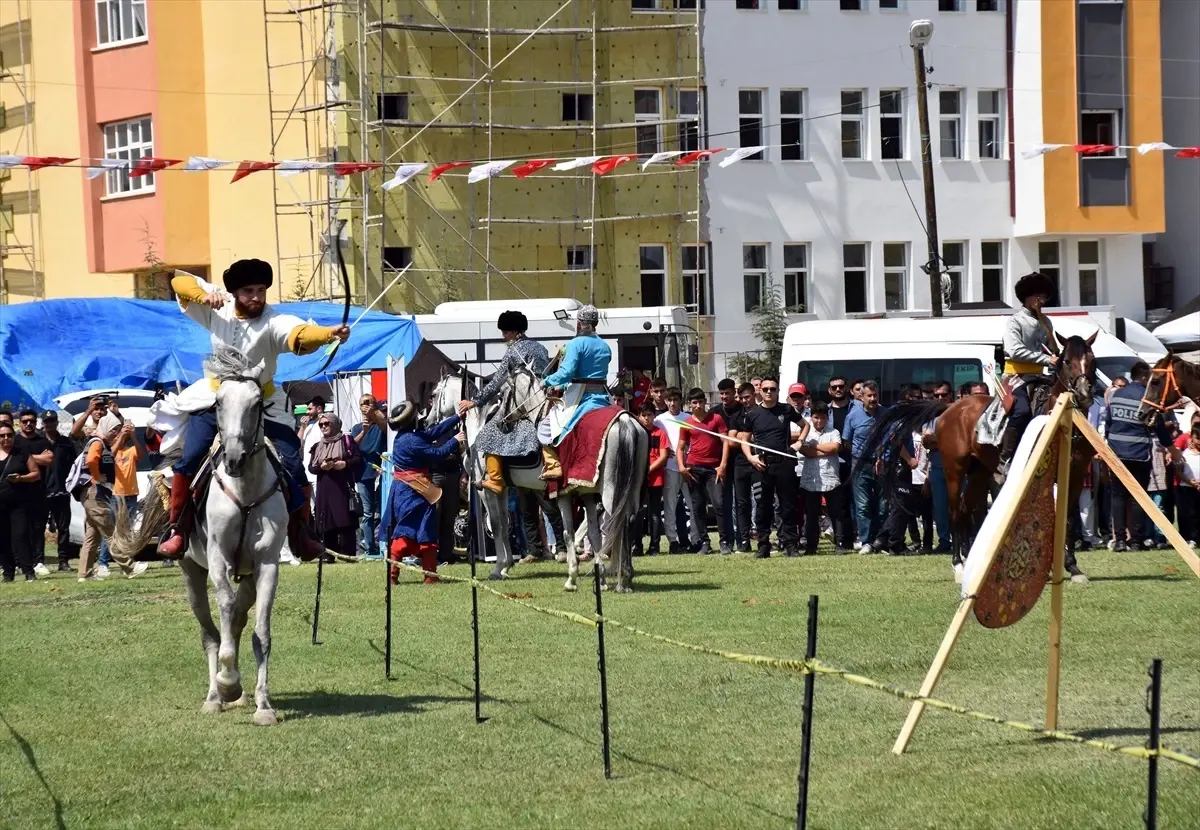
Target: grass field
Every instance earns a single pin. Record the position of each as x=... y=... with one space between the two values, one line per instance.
x=102 y=684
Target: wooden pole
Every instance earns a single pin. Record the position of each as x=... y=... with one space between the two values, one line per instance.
x=1062 y=508
x=931 y=237
x=1049 y=432
x=1105 y=454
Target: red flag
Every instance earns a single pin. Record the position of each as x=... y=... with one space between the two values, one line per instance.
x=1094 y=149
x=439 y=169
x=351 y=168
x=38 y=162
x=691 y=158
x=609 y=164
x=245 y=168
x=1188 y=153
x=149 y=164
x=531 y=166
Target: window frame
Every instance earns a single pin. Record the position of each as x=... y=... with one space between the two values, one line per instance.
x=391 y=268
x=864 y=271
x=958 y=6
x=797 y=276
x=648 y=120
x=132 y=5
x=996 y=119
x=758 y=272
x=1053 y=270
x=643 y=272
x=129 y=152
x=899 y=7
x=858 y=118
x=859 y=5
x=956 y=119
x=901 y=116
x=787 y=119
x=687 y=119
x=589 y=252
x=986 y=268
x=801 y=6
x=994 y=6
x=746 y=118
x=1116 y=125
x=759 y=5
x=903 y=271
x=700 y=277
x=1096 y=268
x=381 y=100
x=961 y=270
x=578 y=97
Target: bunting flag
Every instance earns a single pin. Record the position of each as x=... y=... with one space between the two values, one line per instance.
x=739 y=154
x=11 y=161
x=1151 y=146
x=1036 y=150
x=1188 y=153
x=38 y=162
x=353 y=168
x=439 y=169
x=488 y=170
x=1095 y=149
x=692 y=158
x=610 y=163
x=245 y=168
x=105 y=165
x=292 y=168
x=149 y=164
x=530 y=167
x=575 y=163
x=659 y=157
x=403 y=173
x=198 y=163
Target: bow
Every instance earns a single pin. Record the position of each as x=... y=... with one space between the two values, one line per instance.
x=335 y=239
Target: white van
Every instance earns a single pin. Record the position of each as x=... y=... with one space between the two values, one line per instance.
x=899 y=351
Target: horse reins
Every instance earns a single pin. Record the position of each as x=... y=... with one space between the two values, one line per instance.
x=1169 y=382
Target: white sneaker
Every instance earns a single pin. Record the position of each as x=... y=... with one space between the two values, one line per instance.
x=41 y=570
x=139 y=568
x=101 y=572
x=865 y=549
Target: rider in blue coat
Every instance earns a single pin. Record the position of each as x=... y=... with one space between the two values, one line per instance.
x=584 y=372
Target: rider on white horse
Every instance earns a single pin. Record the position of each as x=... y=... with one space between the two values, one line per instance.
x=260 y=333
x=504 y=437
x=584 y=373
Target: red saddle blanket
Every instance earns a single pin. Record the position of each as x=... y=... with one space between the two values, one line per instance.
x=581 y=450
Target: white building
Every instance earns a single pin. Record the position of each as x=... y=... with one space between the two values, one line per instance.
x=834 y=210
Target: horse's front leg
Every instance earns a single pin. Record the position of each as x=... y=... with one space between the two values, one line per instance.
x=229 y=680
x=195 y=583
x=266 y=582
x=242 y=600
x=496 y=508
x=568 y=523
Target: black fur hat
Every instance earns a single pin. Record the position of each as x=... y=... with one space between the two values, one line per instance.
x=1035 y=283
x=403 y=416
x=513 y=321
x=246 y=272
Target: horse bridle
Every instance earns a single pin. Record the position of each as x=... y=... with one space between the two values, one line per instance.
x=1169 y=382
x=518 y=411
x=1070 y=383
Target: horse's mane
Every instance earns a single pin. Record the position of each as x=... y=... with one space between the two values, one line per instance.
x=1075 y=348
x=1184 y=367
x=227 y=363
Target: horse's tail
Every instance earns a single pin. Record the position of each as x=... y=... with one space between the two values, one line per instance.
x=128 y=540
x=625 y=480
x=891 y=426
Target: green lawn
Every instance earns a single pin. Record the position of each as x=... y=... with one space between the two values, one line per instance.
x=101 y=686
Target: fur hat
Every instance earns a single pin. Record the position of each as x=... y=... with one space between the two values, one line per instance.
x=587 y=314
x=403 y=416
x=1035 y=283
x=246 y=272
x=513 y=321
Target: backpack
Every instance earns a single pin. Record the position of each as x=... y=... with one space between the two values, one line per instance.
x=79 y=477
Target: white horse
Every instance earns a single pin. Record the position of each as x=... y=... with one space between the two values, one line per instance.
x=239 y=532
x=619 y=480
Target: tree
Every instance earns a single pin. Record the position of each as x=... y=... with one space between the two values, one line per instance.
x=770 y=324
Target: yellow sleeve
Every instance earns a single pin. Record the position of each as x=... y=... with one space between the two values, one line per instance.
x=187 y=289
x=307 y=338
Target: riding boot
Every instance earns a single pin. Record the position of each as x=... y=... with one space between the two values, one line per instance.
x=429 y=563
x=493 y=478
x=176 y=543
x=1008 y=448
x=551 y=468
x=299 y=535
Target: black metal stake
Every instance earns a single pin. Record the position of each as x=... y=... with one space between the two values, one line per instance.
x=806 y=718
x=472 y=556
x=603 y=670
x=1154 y=707
x=317 y=600
x=387 y=604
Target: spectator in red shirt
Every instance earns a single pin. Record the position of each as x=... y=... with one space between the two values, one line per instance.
x=703 y=460
x=660 y=447
x=640 y=384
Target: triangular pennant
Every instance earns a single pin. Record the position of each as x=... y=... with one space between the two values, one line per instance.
x=105 y=165
x=692 y=158
x=657 y=157
x=403 y=173
x=149 y=164
x=439 y=169
x=290 y=167
x=1188 y=153
x=575 y=163
x=607 y=165
x=1035 y=150
x=245 y=168
x=199 y=163
x=530 y=167
x=487 y=170
x=1095 y=149
x=11 y=161
x=739 y=154
x=353 y=168
x=38 y=162
x=1151 y=146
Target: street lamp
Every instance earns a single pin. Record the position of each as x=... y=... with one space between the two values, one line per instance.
x=919 y=35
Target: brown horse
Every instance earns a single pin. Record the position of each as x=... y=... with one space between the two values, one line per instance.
x=1171 y=380
x=968 y=465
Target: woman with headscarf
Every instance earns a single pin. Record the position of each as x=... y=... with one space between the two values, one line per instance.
x=335 y=462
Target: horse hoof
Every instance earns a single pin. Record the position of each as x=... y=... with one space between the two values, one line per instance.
x=265 y=717
x=626 y=589
x=229 y=692
x=505 y=573
x=603 y=586
x=495 y=577
x=1080 y=579
x=211 y=707
x=571 y=587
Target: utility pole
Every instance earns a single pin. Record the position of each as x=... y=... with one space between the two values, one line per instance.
x=919 y=34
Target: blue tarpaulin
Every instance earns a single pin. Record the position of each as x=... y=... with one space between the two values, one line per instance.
x=54 y=347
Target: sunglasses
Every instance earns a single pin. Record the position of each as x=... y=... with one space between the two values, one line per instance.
x=837 y=386
x=769 y=389
x=324 y=424
x=6 y=434
x=29 y=420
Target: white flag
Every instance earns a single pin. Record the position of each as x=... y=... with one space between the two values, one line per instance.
x=198 y=163
x=1035 y=150
x=739 y=154
x=1151 y=146
x=11 y=161
x=486 y=171
x=106 y=165
x=657 y=157
x=291 y=168
x=572 y=164
x=403 y=173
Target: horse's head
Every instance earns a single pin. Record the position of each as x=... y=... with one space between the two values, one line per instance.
x=1077 y=368
x=525 y=394
x=1162 y=391
x=239 y=407
x=443 y=401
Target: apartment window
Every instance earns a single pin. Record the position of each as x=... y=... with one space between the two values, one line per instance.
x=747 y=4
x=120 y=21
x=852 y=5
x=128 y=141
x=895 y=276
x=576 y=106
x=579 y=258
x=891 y=123
x=392 y=106
x=791 y=124
x=852 y=123
x=987 y=5
x=645 y=5
x=791 y=5
x=750 y=120
x=1050 y=264
x=653 y=261
x=991 y=129
x=647 y=107
x=396 y=257
x=854 y=276
x=950 y=6
x=954 y=259
x=697 y=287
x=992 y=260
x=1100 y=127
x=950 y=123
x=795 y=277
x=691 y=115
x=889 y=5
x=754 y=275
x=1089 y=272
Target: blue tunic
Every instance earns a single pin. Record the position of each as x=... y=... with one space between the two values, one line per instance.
x=585 y=358
x=405 y=513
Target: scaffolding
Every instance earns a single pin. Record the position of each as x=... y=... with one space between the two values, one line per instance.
x=16 y=64
x=486 y=60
